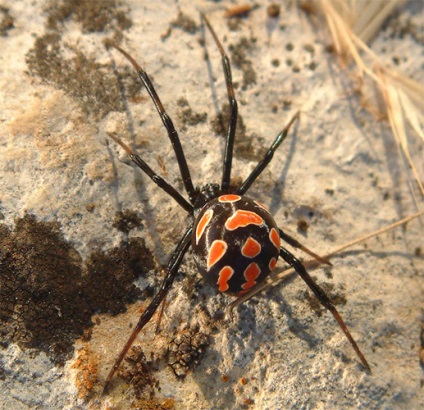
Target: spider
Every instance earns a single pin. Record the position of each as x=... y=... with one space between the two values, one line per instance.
x=235 y=240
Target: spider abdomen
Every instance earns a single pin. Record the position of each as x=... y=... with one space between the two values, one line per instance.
x=235 y=243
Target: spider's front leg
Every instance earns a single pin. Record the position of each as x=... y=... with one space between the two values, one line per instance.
x=323 y=298
x=232 y=122
x=172 y=269
x=167 y=122
x=263 y=163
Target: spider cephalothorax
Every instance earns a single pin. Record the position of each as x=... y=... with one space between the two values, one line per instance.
x=235 y=240
x=206 y=194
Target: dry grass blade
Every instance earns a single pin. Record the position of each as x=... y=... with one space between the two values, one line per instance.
x=354 y=23
x=370 y=15
x=399 y=108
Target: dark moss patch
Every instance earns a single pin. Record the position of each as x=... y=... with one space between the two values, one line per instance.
x=246 y=146
x=94 y=16
x=275 y=62
x=47 y=296
x=126 y=221
x=94 y=86
x=6 y=21
x=235 y=23
x=185 y=23
x=239 y=59
x=337 y=296
x=187 y=116
x=273 y=10
x=65 y=66
x=400 y=27
x=302 y=225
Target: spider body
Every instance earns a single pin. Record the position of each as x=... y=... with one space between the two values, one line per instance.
x=235 y=240
x=235 y=243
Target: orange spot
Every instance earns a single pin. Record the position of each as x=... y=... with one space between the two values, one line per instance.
x=272 y=263
x=251 y=248
x=224 y=276
x=216 y=252
x=275 y=238
x=229 y=198
x=243 y=218
x=204 y=220
x=251 y=273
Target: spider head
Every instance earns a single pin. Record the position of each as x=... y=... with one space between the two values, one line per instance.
x=206 y=194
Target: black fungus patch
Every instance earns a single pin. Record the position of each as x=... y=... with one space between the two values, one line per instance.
x=48 y=296
x=186 y=351
x=137 y=371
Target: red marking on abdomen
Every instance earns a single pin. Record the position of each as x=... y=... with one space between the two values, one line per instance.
x=224 y=276
x=251 y=274
x=272 y=263
x=200 y=228
x=241 y=219
x=216 y=252
x=275 y=238
x=229 y=198
x=251 y=248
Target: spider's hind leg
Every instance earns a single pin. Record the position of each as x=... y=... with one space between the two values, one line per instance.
x=267 y=157
x=158 y=180
x=172 y=269
x=296 y=244
x=324 y=299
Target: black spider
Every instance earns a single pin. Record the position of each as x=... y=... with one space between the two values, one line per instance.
x=235 y=240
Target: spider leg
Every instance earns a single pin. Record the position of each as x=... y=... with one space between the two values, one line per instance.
x=167 y=122
x=267 y=158
x=159 y=181
x=232 y=123
x=296 y=244
x=173 y=265
x=324 y=299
